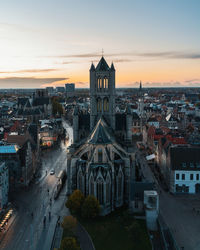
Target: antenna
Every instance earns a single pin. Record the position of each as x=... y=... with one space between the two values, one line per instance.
x=102 y=52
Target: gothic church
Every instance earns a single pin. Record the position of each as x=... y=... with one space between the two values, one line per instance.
x=98 y=161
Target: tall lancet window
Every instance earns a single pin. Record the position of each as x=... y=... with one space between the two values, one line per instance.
x=100 y=155
x=99 y=83
x=81 y=182
x=108 y=185
x=105 y=105
x=120 y=184
x=100 y=191
x=99 y=105
x=106 y=82
x=92 y=185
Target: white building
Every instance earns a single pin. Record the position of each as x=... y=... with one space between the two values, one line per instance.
x=184 y=165
x=4 y=185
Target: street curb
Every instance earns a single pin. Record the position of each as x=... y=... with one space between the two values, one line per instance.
x=53 y=240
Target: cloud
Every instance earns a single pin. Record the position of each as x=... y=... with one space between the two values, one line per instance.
x=28 y=71
x=172 y=55
x=151 y=54
x=28 y=82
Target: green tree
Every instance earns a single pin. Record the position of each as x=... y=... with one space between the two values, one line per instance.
x=69 y=243
x=75 y=202
x=69 y=224
x=91 y=207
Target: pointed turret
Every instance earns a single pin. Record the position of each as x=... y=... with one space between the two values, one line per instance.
x=102 y=65
x=140 y=89
x=112 y=67
x=92 y=68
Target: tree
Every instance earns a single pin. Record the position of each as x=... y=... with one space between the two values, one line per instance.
x=56 y=107
x=69 y=243
x=75 y=202
x=69 y=224
x=91 y=207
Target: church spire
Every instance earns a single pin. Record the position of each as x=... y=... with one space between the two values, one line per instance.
x=140 y=89
x=92 y=68
x=112 y=67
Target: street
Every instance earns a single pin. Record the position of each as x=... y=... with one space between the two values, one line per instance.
x=36 y=204
x=180 y=212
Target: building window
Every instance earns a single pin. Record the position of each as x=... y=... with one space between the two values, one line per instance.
x=92 y=185
x=177 y=176
x=99 y=105
x=105 y=105
x=81 y=182
x=106 y=82
x=197 y=177
x=99 y=83
x=184 y=165
x=120 y=184
x=100 y=191
x=191 y=176
x=100 y=155
x=108 y=189
x=183 y=176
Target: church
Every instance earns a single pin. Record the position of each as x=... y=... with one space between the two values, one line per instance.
x=99 y=160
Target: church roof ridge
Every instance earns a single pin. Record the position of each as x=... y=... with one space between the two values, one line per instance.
x=102 y=65
x=100 y=134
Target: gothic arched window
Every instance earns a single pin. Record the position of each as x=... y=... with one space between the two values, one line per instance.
x=106 y=82
x=98 y=83
x=100 y=191
x=99 y=105
x=100 y=155
x=80 y=183
x=120 y=185
x=92 y=186
x=105 y=105
x=108 y=185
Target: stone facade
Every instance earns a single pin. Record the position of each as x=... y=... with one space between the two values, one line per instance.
x=97 y=164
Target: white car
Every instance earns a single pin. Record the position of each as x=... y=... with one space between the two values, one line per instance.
x=52 y=172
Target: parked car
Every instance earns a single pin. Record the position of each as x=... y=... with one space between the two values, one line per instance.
x=52 y=172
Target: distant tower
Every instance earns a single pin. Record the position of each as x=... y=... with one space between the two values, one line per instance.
x=140 y=101
x=102 y=93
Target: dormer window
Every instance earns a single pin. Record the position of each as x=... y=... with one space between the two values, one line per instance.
x=184 y=165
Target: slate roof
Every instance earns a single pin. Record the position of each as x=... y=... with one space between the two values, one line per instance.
x=102 y=65
x=185 y=155
x=40 y=101
x=22 y=101
x=120 y=122
x=100 y=134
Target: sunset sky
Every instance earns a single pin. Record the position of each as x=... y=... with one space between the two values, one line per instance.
x=49 y=43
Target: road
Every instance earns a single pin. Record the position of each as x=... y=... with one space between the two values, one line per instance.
x=30 y=233
x=177 y=212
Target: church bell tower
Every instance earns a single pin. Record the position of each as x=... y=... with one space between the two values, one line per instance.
x=102 y=93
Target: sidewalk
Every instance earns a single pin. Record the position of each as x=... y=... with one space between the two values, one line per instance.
x=7 y=227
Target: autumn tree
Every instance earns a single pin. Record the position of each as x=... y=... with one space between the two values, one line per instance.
x=91 y=207
x=75 y=202
x=69 y=243
x=69 y=224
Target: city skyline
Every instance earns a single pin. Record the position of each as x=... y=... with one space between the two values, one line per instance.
x=52 y=43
